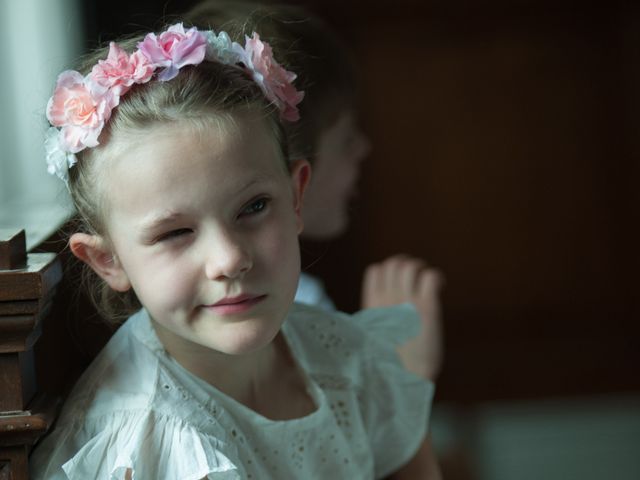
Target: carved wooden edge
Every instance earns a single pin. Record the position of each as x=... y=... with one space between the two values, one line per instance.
x=42 y=272
x=19 y=332
x=27 y=286
x=26 y=427
x=26 y=280
x=13 y=249
x=26 y=307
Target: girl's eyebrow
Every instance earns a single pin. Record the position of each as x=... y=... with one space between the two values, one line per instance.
x=153 y=222
x=262 y=180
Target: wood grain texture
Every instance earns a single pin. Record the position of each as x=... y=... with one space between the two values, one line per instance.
x=18 y=333
x=13 y=247
x=14 y=462
x=25 y=427
x=41 y=274
x=17 y=380
x=26 y=294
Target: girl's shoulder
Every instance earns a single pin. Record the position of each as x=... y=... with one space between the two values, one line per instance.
x=330 y=342
x=148 y=443
x=131 y=410
x=387 y=325
x=122 y=376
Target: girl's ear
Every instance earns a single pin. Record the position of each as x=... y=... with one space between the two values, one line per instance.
x=300 y=176
x=93 y=250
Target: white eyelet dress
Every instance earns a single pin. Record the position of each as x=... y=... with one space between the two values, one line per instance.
x=137 y=409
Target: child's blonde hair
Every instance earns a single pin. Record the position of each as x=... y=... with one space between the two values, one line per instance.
x=208 y=91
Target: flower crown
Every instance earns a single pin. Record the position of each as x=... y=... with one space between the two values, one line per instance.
x=81 y=106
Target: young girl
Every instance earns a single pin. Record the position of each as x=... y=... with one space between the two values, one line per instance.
x=329 y=135
x=174 y=153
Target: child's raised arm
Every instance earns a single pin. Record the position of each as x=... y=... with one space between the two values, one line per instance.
x=404 y=279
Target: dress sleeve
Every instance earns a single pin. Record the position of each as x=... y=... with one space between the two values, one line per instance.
x=148 y=444
x=311 y=291
x=396 y=404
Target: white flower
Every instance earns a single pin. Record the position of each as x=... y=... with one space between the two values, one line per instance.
x=220 y=48
x=58 y=160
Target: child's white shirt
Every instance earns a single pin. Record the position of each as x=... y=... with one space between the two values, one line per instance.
x=311 y=291
x=137 y=408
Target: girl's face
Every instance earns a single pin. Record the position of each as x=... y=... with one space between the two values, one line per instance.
x=204 y=226
x=336 y=169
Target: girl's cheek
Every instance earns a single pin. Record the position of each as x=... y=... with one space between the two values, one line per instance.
x=178 y=277
x=163 y=275
x=277 y=237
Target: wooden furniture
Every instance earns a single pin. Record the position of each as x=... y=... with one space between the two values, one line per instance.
x=27 y=286
x=49 y=333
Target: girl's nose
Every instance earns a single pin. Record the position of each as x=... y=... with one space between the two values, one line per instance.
x=227 y=259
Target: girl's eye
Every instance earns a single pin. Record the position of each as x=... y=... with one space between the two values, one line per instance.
x=174 y=234
x=255 y=207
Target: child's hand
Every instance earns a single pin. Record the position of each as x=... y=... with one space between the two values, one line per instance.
x=401 y=279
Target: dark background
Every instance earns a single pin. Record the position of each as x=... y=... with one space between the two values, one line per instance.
x=505 y=153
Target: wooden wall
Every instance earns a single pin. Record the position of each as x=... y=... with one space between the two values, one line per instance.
x=506 y=153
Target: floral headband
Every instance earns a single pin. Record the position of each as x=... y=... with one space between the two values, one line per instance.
x=81 y=106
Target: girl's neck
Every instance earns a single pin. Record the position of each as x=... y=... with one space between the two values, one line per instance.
x=267 y=381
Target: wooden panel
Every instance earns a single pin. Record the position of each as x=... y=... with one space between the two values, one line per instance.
x=26 y=291
x=17 y=380
x=14 y=462
x=12 y=249
x=10 y=382
x=20 y=307
x=514 y=144
x=25 y=427
x=35 y=281
x=19 y=332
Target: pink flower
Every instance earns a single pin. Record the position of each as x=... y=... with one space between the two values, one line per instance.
x=274 y=80
x=174 y=49
x=80 y=109
x=121 y=70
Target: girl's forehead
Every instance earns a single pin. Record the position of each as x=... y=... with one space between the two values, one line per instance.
x=224 y=128
x=166 y=158
x=218 y=134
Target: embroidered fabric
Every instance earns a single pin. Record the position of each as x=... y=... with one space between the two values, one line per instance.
x=136 y=408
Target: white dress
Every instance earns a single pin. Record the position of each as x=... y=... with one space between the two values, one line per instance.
x=137 y=408
x=311 y=291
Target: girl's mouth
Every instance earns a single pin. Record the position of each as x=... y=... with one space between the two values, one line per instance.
x=238 y=304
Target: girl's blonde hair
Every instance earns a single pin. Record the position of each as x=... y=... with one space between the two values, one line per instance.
x=305 y=45
x=208 y=91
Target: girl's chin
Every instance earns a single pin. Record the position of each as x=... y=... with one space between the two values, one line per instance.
x=242 y=338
